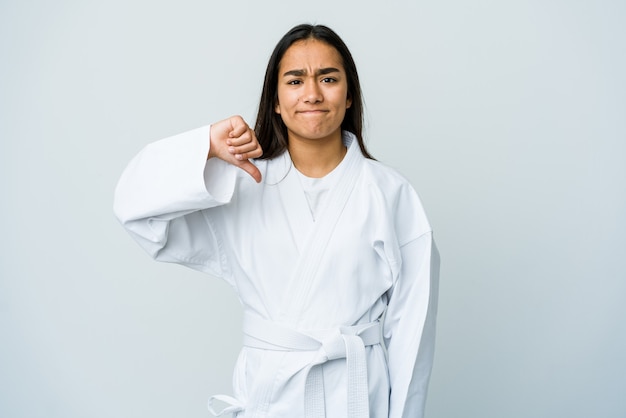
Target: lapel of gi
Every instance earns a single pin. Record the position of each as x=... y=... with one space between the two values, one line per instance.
x=295 y=205
x=313 y=250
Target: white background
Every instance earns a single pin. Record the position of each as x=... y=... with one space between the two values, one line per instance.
x=509 y=117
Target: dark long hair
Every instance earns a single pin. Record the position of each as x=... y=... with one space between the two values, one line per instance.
x=270 y=129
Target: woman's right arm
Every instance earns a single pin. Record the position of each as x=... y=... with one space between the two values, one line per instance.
x=161 y=192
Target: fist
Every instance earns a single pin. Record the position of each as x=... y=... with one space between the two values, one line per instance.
x=233 y=141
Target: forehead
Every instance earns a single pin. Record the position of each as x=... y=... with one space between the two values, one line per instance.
x=310 y=54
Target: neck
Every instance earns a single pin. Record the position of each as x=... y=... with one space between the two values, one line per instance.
x=316 y=158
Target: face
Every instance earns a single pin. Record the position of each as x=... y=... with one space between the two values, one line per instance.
x=312 y=91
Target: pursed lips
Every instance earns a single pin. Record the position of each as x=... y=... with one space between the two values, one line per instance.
x=312 y=111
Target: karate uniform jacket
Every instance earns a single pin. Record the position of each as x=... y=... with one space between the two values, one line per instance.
x=339 y=303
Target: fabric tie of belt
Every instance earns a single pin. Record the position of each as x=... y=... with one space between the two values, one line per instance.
x=347 y=342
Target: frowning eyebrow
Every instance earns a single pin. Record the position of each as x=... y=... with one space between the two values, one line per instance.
x=321 y=71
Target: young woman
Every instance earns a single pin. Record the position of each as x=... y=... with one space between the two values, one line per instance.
x=329 y=251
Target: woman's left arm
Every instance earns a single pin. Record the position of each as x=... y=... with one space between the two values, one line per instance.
x=409 y=327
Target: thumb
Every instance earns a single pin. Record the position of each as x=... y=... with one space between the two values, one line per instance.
x=251 y=169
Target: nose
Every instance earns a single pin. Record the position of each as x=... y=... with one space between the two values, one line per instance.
x=312 y=93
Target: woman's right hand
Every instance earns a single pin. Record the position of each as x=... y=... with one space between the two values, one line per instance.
x=233 y=141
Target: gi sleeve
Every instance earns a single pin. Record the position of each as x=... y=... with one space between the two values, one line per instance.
x=409 y=328
x=161 y=194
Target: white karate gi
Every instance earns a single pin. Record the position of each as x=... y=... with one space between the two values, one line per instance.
x=312 y=270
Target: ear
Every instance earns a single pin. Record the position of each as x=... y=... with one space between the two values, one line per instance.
x=348 y=102
x=277 y=107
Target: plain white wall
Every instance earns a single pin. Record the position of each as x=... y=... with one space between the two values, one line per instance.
x=508 y=116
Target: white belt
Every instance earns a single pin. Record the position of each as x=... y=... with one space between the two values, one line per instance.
x=343 y=342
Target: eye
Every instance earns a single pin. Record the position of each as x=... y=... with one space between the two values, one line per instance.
x=294 y=82
x=328 y=80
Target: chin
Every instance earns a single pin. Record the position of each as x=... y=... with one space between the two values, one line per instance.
x=312 y=134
